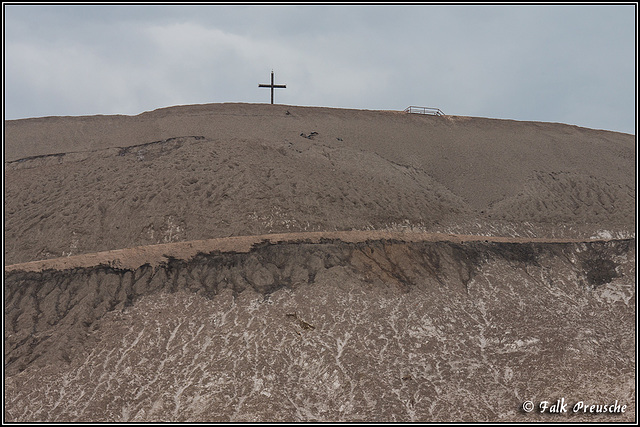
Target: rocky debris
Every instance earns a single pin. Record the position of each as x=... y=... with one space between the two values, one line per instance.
x=310 y=136
x=303 y=324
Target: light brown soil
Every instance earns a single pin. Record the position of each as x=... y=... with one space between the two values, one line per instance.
x=238 y=262
x=210 y=171
x=154 y=255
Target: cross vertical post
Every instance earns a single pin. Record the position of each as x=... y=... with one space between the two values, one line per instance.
x=272 y=86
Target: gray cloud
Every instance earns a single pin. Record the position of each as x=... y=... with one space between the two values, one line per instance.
x=572 y=64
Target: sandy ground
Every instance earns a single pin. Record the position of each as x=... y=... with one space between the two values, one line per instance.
x=239 y=262
x=210 y=171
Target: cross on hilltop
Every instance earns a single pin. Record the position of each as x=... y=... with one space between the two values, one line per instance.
x=272 y=86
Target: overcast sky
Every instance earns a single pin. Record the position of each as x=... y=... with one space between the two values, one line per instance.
x=569 y=64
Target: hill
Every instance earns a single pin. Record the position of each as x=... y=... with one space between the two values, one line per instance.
x=208 y=171
x=238 y=262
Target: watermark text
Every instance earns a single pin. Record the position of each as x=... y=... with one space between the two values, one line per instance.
x=561 y=406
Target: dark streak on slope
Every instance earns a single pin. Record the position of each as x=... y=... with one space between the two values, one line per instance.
x=121 y=150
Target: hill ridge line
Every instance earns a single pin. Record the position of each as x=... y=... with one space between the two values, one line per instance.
x=154 y=255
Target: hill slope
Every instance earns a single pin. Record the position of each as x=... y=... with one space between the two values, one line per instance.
x=85 y=184
x=333 y=331
x=235 y=262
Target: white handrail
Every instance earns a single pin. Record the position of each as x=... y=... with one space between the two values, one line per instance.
x=424 y=110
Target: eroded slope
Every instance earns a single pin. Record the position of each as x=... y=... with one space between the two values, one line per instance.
x=378 y=330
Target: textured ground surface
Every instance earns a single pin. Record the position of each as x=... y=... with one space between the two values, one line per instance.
x=201 y=172
x=375 y=330
x=118 y=308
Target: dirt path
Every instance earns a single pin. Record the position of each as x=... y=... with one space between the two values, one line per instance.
x=132 y=258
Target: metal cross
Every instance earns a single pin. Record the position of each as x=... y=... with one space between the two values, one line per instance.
x=272 y=86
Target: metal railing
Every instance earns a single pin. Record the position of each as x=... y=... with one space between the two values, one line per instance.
x=424 y=110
